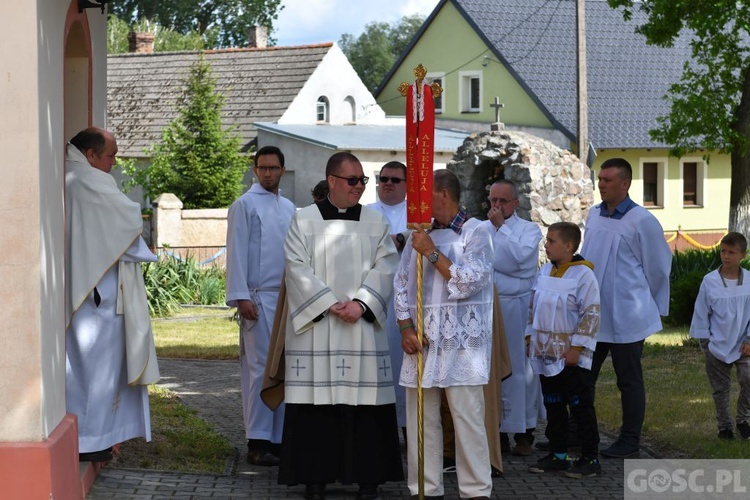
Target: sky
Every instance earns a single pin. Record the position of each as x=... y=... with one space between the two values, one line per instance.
x=304 y=22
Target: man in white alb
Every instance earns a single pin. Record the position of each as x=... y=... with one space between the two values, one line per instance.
x=257 y=224
x=458 y=298
x=516 y=245
x=392 y=204
x=632 y=262
x=110 y=354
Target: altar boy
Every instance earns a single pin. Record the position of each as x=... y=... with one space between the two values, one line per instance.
x=563 y=321
x=721 y=321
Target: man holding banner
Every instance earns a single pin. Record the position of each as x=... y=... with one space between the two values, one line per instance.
x=457 y=339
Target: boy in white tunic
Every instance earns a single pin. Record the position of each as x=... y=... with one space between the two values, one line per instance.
x=458 y=340
x=563 y=320
x=257 y=224
x=721 y=321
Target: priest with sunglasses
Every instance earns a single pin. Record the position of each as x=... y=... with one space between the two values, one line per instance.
x=340 y=422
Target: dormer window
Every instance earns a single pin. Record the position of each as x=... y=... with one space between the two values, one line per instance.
x=323 y=109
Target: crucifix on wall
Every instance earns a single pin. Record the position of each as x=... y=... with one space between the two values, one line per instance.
x=498 y=125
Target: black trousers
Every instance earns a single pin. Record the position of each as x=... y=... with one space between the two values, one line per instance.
x=572 y=388
x=626 y=360
x=348 y=444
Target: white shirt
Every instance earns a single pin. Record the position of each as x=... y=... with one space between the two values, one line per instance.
x=632 y=262
x=722 y=315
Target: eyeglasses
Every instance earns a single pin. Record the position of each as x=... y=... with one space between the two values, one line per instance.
x=394 y=180
x=501 y=201
x=352 y=181
x=268 y=169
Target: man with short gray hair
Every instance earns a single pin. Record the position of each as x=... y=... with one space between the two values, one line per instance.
x=516 y=260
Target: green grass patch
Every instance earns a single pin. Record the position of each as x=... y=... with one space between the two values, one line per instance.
x=680 y=416
x=197 y=333
x=180 y=440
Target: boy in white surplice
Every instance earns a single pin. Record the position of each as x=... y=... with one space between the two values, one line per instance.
x=721 y=321
x=563 y=320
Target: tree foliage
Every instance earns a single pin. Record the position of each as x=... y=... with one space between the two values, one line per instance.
x=710 y=106
x=197 y=160
x=165 y=39
x=228 y=18
x=374 y=52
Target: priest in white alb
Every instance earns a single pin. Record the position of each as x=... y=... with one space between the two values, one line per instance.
x=392 y=204
x=340 y=422
x=110 y=354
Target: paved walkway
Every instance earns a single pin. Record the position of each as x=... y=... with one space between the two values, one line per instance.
x=212 y=388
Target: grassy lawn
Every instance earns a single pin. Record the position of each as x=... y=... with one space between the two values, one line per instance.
x=180 y=441
x=198 y=333
x=680 y=417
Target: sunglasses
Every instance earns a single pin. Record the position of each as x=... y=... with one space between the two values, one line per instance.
x=352 y=181
x=395 y=180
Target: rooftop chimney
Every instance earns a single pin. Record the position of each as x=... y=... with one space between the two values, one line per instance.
x=141 y=43
x=257 y=37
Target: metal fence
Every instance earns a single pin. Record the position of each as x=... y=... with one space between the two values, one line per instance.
x=203 y=256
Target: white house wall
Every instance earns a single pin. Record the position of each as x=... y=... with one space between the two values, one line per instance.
x=335 y=79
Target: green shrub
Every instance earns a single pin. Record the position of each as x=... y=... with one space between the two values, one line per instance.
x=688 y=269
x=172 y=282
x=683 y=292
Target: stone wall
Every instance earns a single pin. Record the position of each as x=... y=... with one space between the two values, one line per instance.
x=553 y=184
x=175 y=227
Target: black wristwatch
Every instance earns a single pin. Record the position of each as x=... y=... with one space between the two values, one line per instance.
x=433 y=257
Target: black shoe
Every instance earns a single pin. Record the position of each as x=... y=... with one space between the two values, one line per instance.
x=584 y=467
x=262 y=457
x=315 y=491
x=550 y=463
x=726 y=434
x=744 y=429
x=96 y=456
x=368 y=491
x=436 y=497
x=621 y=450
x=496 y=472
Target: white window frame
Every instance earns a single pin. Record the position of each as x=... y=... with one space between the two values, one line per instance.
x=662 y=164
x=430 y=77
x=323 y=100
x=464 y=91
x=701 y=173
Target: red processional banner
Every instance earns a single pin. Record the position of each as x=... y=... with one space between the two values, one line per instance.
x=420 y=152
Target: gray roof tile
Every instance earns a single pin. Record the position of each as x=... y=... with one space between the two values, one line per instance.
x=627 y=79
x=258 y=84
